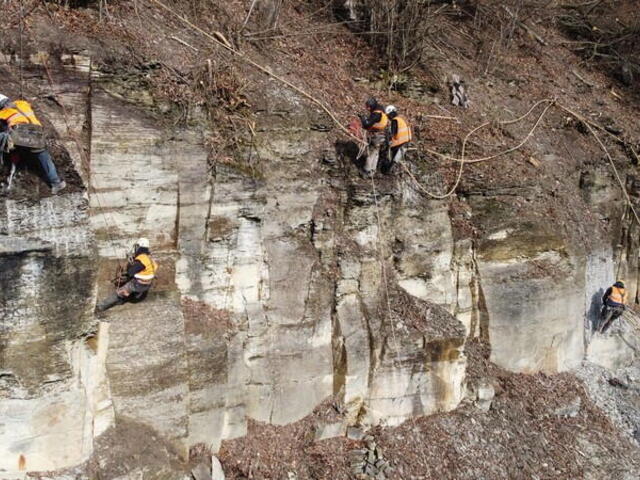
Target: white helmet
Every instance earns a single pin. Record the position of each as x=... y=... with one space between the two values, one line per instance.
x=143 y=242
x=3 y=100
x=390 y=109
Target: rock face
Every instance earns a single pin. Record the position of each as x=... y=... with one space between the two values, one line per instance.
x=54 y=398
x=282 y=281
x=147 y=366
x=134 y=185
x=533 y=288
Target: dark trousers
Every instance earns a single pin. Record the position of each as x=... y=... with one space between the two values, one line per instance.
x=609 y=314
x=133 y=286
x=43 y=158
x=391 y=156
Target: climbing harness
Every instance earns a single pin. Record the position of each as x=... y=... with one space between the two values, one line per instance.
x=550 y=103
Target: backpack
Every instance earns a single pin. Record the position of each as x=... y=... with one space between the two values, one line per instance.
x=27 y=135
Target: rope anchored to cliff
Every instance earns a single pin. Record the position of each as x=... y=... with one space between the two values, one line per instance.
x=110 y=223
x=222 y=42
x=383 y=270
x=218 y=39
x=462 y=159
x=590 y=126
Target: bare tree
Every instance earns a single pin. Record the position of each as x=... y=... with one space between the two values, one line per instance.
x=606 y=33
x=401 y=30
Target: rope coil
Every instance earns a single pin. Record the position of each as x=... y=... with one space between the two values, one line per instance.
x=462 y=159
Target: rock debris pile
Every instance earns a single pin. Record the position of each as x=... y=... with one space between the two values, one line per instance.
x=368 y=462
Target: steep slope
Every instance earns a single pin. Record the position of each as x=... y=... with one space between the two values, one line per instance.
x=291 y=291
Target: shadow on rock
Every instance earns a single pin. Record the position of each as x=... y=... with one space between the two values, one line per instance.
x=348 y=150
x=593 y=314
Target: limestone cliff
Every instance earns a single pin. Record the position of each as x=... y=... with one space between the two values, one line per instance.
x=286 y=280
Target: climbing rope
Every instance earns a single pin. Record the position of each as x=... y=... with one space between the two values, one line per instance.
x=259 y=67
x=462 y=159
x=384 y=270
x=590 y=126
x=551 y=102
x=502 y=122
x=622 y=229
x=83 y=159
x=21 y=51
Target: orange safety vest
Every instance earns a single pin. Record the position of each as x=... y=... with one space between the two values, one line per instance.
x=17 y=112
x=150 y=267
x=403 y=135
x=618 y=295
x=382 y=124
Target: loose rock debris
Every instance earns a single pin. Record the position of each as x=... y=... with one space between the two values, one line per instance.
x=459 y=96
x=369 y=463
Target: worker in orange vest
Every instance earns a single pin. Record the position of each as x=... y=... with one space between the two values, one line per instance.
x=137 y=280
x=16 y=115
x=375 y=124
x=399 y=138
x=614 y=303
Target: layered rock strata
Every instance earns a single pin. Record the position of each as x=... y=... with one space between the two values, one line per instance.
x=283 y=281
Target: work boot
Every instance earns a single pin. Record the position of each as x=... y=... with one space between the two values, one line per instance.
x=58 y=187
x=107 y=303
